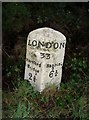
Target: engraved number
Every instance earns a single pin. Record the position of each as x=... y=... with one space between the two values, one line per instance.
x=56 y=73
x=34 y=78
x=42 y=55
x=30 y=76
x=46 y=55
x=51 y=74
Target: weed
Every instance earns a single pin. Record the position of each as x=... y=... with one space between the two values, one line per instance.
x=22 y=110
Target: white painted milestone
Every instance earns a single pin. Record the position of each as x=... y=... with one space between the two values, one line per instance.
x=44 y=57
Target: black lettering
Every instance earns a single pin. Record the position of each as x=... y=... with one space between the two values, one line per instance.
x=48 y=66
x=52 y=65
x=48 y=45
x=37 y=71
x=40 y=65
x=56 y=45
x=36 y=64
x=60 y=64
x=42 y=55
x=34 y=78
x=27 y=59
x=30 y=76
x=34 y=43
x=33 y=69
x=62 y=45
x=28 y=65
x=51 y=74
x=47 y=56
x=29 y=43
x=56 y=73
x=41 y=44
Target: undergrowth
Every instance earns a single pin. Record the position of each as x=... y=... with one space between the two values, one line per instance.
x=70 y=101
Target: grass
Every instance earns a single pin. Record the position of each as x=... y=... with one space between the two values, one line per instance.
x=20 y=100
x=24 y=102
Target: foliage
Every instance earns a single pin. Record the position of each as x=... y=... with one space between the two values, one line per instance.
x=20 y=100
x=15 y=16
x=70 y=101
